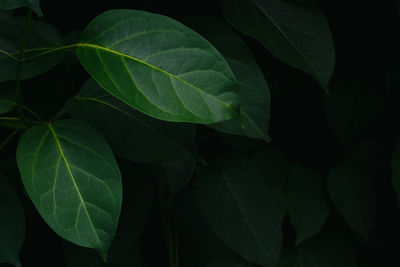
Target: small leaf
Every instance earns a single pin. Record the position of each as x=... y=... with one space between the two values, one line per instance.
x=159 y=67
x=395 y=166
x=296 y=33
x=8 y=101
x=12 y=223
x=13 y=4
x=308 y=209
x=352 y=192
x=253 y=89
x=239 y=207
x=131 y=134
x=224 y=264
x=70 y=174
x=41 y=36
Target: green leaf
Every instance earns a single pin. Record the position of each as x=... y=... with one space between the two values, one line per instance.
x=395 y=166
x=273 y=168
x=70 y=174
x=200 y=247
x=224 y=264
x=178 y=174
x=8 y=101
x=131 y=134
x=253 y=89
x=239 y=207
x=308 y=208
x=12 y=223
x=296 y=33
x=41 y=36
x=13 y=4
x=159 y=67
x=352 y=192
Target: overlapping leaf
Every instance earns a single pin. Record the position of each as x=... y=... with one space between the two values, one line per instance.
x=12 y=223
x=159 y=67
x=40 y=37
x=13 y=4
x=307 y=205
x=240 y=209
x=7 y=101
x=72 y=178
x=296 y=33
x=253 y=89
x=131 y=134
x=352 y=192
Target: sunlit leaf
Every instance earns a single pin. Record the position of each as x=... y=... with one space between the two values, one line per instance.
x=159 y=67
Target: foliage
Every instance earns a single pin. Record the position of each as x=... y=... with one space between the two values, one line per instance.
x=236 y=133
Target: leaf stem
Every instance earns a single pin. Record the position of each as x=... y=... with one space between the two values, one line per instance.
x=5 y=142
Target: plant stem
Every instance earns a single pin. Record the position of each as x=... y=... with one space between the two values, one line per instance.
x=5 y=142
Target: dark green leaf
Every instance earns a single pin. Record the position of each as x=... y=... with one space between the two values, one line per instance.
x=41 y=35
x=131 y=134
x=178 y=174
x=296 y=33
x=224 y=264
x=253 y=89
x=72 y=178
x=8 y=101
x=12 y=223
x=352 y=192
x=273 y=168
x=13 y=4
x=240 y=208
x=395 y=166
x=198 y=244
x=159 y=67
x=308 y=209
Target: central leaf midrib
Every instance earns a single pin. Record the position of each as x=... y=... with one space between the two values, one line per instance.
x=94 y=46
x=73 y=179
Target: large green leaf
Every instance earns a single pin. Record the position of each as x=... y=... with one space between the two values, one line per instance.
x=307 y=205
x=41 y=36
x=159 y=67
x=12 y=223
x=71 y=176
x=131 y=134
x=253 y=89
x=273 y=168
x=352 y=192
x=296 y=33
x=13 y=4
x=239 y=207
x=395 y=166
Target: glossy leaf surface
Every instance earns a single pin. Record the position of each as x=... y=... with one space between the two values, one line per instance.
x=307 y=205
x=239 y=207
x=159 y=67
x=71 y=176
x=12 y=223
x=253 y=89
x=41 y=36
x=131 y=134
x=13 y=4
x=296 y=33
x=352 y=192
